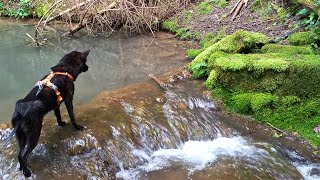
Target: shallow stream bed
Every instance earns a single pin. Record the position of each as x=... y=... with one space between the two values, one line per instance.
x=134 y=128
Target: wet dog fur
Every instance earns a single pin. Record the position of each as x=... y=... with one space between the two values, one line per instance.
x=29 y=112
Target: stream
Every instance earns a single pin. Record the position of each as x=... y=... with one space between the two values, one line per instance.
x=134 y=128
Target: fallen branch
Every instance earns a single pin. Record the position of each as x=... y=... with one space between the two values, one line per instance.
x=67 y=11
x=234 y=7
x=238 y=8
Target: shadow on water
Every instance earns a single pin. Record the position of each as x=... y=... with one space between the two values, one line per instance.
x=139 y=131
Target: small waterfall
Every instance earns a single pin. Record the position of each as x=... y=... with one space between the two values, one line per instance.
x=140 y=132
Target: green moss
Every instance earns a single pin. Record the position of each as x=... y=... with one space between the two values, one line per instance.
x=259 y=101
x=211 y=80
x=238 y=42
x=241 y=103
x=213 y=57
x=275 y=64
x=288 y=113
x=304 y=38
x=276 y=48
x=192 y=53
x=226 y=63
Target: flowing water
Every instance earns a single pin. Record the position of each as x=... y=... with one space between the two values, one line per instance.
x=135 y=130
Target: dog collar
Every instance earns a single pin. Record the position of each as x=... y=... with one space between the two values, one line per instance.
x=47 y=82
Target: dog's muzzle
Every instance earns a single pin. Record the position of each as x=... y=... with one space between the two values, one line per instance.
x=85 y=68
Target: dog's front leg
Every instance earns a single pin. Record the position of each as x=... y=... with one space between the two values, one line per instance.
x=69 y=105
x=58 y=115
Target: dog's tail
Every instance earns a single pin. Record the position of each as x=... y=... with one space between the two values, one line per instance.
x=7 y=140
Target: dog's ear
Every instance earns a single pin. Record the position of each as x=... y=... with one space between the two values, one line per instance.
x=85 y=54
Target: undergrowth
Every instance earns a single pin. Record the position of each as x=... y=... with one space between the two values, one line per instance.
x=20 y=9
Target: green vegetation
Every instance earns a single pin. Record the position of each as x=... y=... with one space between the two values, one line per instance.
x=239 y=42
x=20 y=9
x=275 y=48
x=181 y=33
x=41 y=9
x=205 y=7
x=270 y=10
x=280 y=85
x=304 y=38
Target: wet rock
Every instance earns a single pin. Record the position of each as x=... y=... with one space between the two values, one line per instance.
x=315 y=172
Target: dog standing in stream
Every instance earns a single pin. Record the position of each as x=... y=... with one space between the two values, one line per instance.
x=47 y=95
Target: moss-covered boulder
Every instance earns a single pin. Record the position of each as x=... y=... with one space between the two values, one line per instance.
x=276 y=84
x=276 y=48
x=304 y=38
x=281 y=74
x=238 y=42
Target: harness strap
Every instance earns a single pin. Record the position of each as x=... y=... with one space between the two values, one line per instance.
x=47 y=82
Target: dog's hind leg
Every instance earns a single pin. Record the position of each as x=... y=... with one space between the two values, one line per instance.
x=58 y=115
x=32 y=141
x=20 y=136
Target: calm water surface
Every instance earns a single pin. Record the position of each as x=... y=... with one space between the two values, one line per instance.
x=114 y=61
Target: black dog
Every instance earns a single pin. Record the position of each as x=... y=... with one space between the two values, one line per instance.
x=47 y=95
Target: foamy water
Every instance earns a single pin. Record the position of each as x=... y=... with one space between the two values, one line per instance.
x=198 y=155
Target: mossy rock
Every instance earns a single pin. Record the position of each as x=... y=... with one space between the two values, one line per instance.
x=253 y=102
x=239 y=42
x=282 y=74
x=304 y=38
x=276 y=48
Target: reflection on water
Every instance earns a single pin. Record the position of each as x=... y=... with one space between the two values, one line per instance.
x=113 y=62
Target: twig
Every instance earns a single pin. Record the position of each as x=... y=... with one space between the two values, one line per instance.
x=276 y=128
x=234 y=7
x=239 y=7
x=68 y=10
x=82 y=25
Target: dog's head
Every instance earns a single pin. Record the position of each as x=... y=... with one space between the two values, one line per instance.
x=73 y=63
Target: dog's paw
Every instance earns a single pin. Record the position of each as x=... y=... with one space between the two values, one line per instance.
x=78 y=127
x=62 y=123
x=26 y=172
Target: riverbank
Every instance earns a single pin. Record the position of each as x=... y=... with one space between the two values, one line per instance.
x=256 y=73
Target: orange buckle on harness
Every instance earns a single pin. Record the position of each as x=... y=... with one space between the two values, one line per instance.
x=47 y=82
